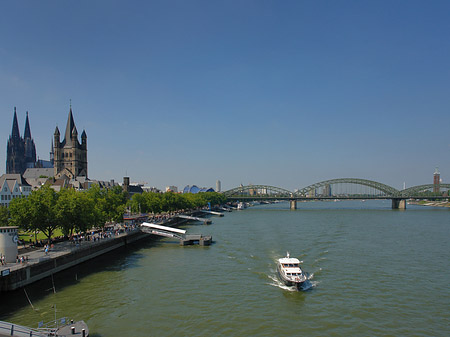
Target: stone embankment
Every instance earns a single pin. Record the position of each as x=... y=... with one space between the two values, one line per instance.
x=35 y=265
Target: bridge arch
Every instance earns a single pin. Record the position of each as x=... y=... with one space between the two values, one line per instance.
x=386 y=189
x=258 y=190
x=412 y=191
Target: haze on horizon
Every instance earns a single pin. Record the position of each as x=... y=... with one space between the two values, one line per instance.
x=266 y=92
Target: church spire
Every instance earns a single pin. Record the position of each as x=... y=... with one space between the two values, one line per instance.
x=27 y=133
x=69 y=127
x=15 y=128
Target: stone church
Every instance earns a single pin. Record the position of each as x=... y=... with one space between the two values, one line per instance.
x=69 y=156
x=20 y=152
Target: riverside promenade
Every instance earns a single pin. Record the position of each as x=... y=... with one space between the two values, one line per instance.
x=37 y=264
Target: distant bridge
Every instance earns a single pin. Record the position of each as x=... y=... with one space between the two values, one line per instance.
x=343 y=189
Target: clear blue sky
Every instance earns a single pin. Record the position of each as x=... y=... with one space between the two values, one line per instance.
x=284 y=93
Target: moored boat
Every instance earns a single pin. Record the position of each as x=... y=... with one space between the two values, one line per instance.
x=290 y=272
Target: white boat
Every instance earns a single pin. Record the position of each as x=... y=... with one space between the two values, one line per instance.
x=290 y=272
x=240 y=205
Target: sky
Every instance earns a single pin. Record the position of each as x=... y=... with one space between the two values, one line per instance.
x=281 y=93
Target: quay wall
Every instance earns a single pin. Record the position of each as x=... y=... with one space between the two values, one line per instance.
x=47 y=266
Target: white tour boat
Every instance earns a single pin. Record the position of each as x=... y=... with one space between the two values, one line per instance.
x=290 y=272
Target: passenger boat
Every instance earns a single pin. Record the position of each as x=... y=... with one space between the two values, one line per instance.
x=290 y=272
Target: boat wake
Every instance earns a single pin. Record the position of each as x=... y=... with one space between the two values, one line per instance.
x=277 y=283
x=307 y=285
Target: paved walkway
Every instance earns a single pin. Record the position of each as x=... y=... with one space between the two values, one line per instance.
x=59 y=249
x=66 y=247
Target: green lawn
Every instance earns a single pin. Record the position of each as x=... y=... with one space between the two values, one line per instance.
x=27 y=236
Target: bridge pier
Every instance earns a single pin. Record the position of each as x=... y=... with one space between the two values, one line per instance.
x=293 y=204
x=398 y=204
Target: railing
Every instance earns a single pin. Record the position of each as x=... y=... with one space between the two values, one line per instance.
x=55 y=324
x=10 y=329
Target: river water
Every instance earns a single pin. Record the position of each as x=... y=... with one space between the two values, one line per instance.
x=374 y=272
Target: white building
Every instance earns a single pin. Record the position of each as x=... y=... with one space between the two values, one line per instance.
x=13 y=186
x=218 y=186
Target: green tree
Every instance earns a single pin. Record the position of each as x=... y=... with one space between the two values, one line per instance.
x=172 y=201
x=153 y=201
x=138 y=203
x=116 y=201
x=4 y=216
x=20 y=212
x=41 y=215
x=110 y=204
x=74 y=211
x=97 y=197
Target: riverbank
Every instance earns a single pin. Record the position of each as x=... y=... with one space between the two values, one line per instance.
x=430 y=203
x=35 y=264
x=38 y=264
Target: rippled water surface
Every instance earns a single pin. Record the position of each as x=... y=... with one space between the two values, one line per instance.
x=375 y=272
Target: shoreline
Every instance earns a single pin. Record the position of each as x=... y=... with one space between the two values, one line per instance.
x=38 y=265
x=431 y=203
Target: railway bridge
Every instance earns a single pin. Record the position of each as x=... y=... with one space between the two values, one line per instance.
x=342 y=189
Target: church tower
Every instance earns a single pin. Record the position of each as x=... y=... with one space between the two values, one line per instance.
x=70 y=156
x=30 y=148
x=20 y=152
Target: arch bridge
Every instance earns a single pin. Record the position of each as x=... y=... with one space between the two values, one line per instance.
x=342 y=189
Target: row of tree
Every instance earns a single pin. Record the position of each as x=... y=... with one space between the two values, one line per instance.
x=46 y=210
x=149 y=202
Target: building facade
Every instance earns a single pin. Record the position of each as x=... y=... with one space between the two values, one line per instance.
x=20 y=152
x=13 y=186
x=70 y=156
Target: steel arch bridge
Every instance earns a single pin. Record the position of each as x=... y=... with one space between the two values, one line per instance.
x=385 y=189
x=266 y=191
x=373 y=190
x=412 y=192
x=258 y=191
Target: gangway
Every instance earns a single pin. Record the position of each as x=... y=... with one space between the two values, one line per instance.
x=205 y=221
x=168 y=232
x=212 y=212
x=180 y=234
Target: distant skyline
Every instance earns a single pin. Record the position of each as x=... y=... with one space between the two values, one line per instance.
x=283 y=93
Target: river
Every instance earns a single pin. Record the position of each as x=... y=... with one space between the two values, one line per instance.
x=374 y=272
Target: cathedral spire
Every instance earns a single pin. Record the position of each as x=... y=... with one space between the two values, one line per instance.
x=27 y=133
x=69 y=127
x=15 y=128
